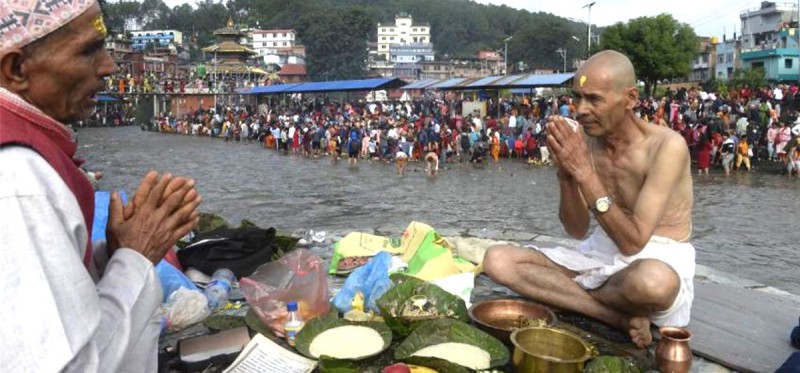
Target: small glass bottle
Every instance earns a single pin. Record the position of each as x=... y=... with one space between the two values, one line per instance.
x=293 y=323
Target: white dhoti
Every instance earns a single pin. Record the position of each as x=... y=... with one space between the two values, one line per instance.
x=597 y=258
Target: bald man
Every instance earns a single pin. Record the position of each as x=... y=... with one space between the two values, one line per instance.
x=634 y=178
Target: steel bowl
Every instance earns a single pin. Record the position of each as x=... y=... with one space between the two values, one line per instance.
x=500 y=317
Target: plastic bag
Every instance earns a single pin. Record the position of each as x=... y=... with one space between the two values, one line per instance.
x=298 y=276
x=172 y=279
x=184 y=308
x=372 y=280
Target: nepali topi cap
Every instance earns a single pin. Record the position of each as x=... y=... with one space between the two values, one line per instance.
x=24 y=21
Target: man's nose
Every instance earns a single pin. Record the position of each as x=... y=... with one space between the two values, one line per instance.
x=107 y=65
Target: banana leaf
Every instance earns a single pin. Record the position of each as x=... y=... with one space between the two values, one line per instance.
x=412 y=301
x=318 y=325
x=444 y=331
x=224 y=322
x=255 y=324
x=328 y=364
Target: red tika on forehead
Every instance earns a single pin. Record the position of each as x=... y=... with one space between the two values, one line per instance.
x=23 y=21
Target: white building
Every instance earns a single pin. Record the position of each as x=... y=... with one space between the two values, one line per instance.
x=403 y=32
x=276 y=46
x=266 y=41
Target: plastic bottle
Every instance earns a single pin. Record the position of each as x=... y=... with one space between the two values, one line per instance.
x=293 y=324
x=218 y=289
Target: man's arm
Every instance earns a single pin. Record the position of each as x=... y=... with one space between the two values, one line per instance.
x=631 y=233
x=76 y=325
x=572 y=211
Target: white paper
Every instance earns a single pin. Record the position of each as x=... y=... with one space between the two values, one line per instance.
x=262 y=355
x=460 y=285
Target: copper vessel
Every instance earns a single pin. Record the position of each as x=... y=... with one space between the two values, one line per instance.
x=673 y=354
x=500 y=317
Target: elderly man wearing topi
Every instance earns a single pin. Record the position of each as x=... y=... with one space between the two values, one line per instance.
x=637 y=266
x=70 y=305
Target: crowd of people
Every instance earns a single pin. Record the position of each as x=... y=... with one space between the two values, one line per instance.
x=732 y=130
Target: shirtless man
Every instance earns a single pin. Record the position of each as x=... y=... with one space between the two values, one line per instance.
x=635 y=179
x=432 y=160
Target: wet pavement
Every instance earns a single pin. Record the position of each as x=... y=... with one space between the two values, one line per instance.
x=745 y=224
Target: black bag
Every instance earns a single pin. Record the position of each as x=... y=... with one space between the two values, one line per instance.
x=241 y=250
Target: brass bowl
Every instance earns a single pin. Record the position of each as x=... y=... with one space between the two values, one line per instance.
x=549 y=350
x=500 y=317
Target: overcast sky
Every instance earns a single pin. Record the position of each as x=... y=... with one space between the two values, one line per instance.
x=707 y=17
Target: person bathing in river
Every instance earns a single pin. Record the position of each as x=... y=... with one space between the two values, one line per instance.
x=432 y=162
x=634 y=178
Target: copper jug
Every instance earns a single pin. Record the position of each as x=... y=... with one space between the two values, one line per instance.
x=673 y=354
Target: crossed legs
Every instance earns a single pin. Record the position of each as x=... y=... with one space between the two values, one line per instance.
x=624 y=301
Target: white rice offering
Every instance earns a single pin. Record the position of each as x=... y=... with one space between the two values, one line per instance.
x=462 y=354
x=347 y=342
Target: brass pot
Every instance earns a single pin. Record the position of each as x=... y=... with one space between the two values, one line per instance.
x=673 y=354
x=549 y=350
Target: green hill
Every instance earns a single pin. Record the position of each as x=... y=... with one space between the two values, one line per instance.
x=337 y=30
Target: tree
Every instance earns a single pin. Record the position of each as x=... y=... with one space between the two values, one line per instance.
x=659 y=47
x=752 y=77
x=336 y=42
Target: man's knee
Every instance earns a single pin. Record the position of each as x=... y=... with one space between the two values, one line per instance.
x=495 y=263
x=652 y=282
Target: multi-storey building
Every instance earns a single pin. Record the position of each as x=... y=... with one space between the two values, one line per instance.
x=703 y=65
x=276 y=47
x=728 y=58
x=265 y=41
x=403 y=32
x=771 y=40
x=140 y=39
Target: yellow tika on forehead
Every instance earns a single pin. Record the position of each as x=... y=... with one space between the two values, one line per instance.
x=582 y=80
x=99 y=25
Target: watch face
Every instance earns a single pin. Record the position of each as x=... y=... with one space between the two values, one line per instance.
x=602 y=204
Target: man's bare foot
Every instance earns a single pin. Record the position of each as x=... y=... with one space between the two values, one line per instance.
x=639 y=330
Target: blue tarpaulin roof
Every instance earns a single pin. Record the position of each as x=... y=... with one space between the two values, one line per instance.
x=484 y=81
x=277 y=88
x=541 y=80
x=334 y=86
x=445 y=84
x=494 y=82
x=501 y=83
x=421 y=84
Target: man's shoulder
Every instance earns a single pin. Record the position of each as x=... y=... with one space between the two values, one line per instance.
x=23 y=172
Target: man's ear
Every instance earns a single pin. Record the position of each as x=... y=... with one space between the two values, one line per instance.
x=632 y=97
x=12 y=73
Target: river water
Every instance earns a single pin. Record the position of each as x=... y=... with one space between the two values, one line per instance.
x=746 y=224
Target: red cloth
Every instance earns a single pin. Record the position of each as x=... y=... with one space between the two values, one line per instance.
x=24 y=125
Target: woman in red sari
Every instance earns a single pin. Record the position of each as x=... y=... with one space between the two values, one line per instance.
x=704 y=154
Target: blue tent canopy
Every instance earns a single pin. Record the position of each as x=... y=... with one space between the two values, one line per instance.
x=333 y=86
